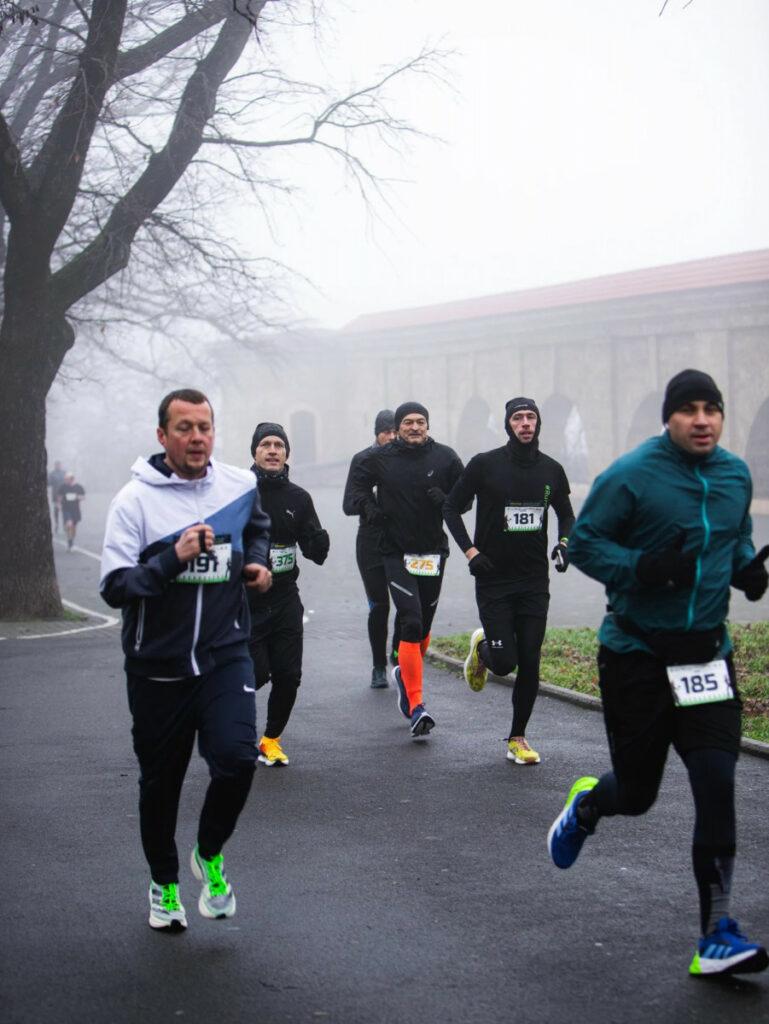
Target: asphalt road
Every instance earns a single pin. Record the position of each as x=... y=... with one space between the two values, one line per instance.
x=378 y=879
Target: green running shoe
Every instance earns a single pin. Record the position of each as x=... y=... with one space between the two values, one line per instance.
x=216 y=897
x=166 y=910
x=475 y=671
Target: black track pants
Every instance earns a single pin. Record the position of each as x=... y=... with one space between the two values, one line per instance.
x=642 y=723
x=375 y=584
x=514 y=627
x=415 y=598
x=276 y=645
x=220 y=707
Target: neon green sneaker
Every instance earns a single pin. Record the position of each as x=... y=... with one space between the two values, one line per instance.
x=475 y=671
x=216 y=897
x=166 y=910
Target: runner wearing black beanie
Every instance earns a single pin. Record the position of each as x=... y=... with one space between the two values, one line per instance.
x=515 y=486
x=411 y=477
x=369 y=559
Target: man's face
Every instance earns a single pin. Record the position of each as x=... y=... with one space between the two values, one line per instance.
x=523 y=424
x=188 y=438
x=270 y=454
x=413 y=429
x=384 y=437
x=696 y=427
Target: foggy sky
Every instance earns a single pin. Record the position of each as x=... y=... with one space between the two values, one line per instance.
x=581 y=138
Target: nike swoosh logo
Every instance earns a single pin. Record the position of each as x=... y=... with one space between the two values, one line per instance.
x=249 y=689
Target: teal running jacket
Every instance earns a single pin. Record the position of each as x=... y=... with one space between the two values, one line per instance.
x=643 y=502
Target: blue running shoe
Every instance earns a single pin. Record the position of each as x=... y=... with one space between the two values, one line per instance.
x=400 y=693
x=727 y=951
x=566 y=835
x=421 y=722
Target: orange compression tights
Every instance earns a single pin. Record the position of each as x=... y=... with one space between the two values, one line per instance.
x=410 y=661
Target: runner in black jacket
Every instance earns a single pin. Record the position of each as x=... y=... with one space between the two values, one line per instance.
x=412 y=476
x=370 y=565
x=515 y=486
x=277 y=616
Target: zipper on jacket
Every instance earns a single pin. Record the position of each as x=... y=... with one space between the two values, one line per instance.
x=705 y=543
x=139 y=636
x=196 y=629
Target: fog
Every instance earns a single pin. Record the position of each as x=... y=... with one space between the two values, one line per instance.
x=570 y=141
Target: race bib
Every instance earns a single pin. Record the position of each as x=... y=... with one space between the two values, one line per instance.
x=700 y=684
x=71 y=496
x=524 y=518
x=212 y=567
x=422 y=565
x=283 y=558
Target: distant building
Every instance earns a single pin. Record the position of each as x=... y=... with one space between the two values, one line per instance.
x=596 y=355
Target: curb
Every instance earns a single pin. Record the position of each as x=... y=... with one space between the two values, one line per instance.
x=584 y=700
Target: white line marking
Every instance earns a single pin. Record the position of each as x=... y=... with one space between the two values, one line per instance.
x=81 y=551
x=109 y=620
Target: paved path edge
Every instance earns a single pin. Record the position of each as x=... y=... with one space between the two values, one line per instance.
x=584 y=700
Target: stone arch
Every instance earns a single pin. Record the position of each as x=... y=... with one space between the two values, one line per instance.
x=646 y=421
x=757 y=451
x=303 y=437
x=476 y=430
x=563 y=437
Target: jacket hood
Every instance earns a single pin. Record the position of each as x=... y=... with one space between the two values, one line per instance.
x=148 y=471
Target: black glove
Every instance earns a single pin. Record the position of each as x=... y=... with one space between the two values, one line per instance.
x=436 y=496
x=374 y=516
x=753 y=577
x=560 y=556
x=316 y=547
x=670 y=567
x=480 y=565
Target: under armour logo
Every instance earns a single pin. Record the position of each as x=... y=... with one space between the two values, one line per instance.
x=289 y=512
x=495 y=643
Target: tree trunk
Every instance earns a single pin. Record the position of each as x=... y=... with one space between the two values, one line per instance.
x=28 y=587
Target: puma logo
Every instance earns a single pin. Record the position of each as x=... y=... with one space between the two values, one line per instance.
x=290 y=512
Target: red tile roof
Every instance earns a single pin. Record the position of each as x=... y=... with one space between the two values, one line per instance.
x=717 y=271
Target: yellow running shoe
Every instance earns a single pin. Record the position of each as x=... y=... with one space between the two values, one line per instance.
x=518 y=750
x=475 y=671
x=271 y=752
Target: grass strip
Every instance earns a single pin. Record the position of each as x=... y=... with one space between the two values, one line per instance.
x=568 y=660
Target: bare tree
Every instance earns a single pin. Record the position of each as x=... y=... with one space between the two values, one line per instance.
x=124 y=128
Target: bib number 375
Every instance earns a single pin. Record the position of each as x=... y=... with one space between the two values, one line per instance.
x=700 y=684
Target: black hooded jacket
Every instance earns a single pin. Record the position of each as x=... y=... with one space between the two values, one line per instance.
x=511 y=484
x=294 y=522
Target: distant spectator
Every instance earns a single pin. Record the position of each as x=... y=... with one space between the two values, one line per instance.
x=55 y=480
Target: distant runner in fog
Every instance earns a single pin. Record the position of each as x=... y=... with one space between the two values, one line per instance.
x=277 y=628
x=667 y=530
x=69 y=496
x=55 y=479
x=515 y=486
x=370 y=565
x=411 y=477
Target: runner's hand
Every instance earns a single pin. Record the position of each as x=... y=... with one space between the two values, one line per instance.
x=480 y=565
x=436 y=496
x=753 y=578
x=258 y=577
x=189 y=545
x=560 y=556
x=670 y=567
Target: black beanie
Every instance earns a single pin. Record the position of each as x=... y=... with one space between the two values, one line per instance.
x=690 y=386
x=384 y=421
x=406 y=408
x=269 y=430
x=515 y=405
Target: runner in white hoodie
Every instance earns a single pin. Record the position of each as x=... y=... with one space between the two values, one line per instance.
x=180 y=539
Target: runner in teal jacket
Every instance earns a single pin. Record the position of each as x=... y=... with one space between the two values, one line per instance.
x=654 y=498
